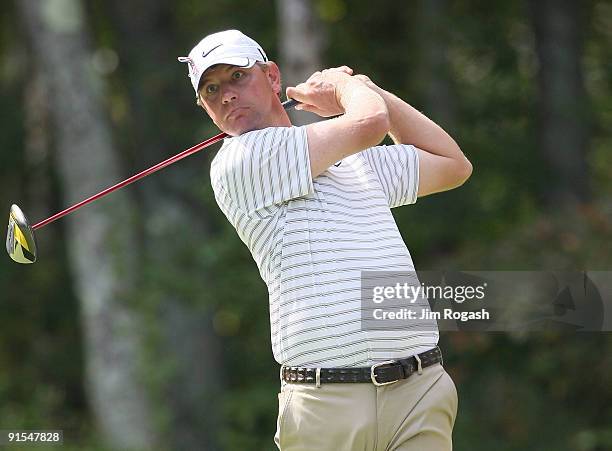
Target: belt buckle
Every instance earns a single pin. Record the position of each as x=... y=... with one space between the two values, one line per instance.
x=373 y=374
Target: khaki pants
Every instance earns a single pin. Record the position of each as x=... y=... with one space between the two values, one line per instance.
x=414 y=414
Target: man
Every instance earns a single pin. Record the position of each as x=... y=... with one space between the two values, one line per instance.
x=313 y=203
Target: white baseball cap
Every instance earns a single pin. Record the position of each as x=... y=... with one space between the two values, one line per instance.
x=225 y=47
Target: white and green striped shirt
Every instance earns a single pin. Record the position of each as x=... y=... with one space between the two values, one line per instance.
x=312 y=238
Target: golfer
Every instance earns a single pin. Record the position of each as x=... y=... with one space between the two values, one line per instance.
x=313 y=205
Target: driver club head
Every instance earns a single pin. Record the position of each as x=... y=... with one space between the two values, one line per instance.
x=20 y=239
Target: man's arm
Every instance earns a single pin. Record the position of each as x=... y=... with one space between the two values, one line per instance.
x=442 y=164
x=364 y=121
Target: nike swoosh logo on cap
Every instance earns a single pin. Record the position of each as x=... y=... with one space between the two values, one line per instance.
x=204 y=55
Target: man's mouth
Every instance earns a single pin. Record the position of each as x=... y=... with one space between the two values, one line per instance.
x=236 y=111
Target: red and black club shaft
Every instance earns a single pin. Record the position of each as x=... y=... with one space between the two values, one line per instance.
x=162 y=164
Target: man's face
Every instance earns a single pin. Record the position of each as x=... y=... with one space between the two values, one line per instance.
x=239 y=100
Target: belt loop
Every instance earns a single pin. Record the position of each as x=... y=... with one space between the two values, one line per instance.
x=419 y=367
x=440 y=353
x=282 y=379
x=318 y=377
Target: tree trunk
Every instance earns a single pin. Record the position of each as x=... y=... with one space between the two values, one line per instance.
x=100 y=238
x=435 y=71
x=563 y=104
x=36 y=148
x=301 y=45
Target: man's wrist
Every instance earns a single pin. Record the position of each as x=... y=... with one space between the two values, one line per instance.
x=346 y=88
x=386 y=95
x=390 y=100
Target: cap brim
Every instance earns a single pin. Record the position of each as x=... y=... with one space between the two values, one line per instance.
x=237 y=61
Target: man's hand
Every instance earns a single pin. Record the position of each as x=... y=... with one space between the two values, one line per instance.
x=363 y=117
x=321 y=93
x=365 y=79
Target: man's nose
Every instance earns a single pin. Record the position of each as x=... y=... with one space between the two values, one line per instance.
x=228 y=95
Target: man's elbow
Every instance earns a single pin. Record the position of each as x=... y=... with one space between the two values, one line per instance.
x=374 y=128
x=382 y=124
x=463 y=171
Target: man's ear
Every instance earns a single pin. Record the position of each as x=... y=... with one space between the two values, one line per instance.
x=274 y=76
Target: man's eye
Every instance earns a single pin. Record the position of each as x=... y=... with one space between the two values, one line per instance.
x=237 y=75
x=210 y=89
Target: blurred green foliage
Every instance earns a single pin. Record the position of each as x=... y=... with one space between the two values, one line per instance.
x=540 y=391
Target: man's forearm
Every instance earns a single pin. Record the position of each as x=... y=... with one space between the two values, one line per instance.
x=409 y=126
x=364 y=124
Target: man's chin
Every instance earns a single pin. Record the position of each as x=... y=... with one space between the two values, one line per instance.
x=242 y=130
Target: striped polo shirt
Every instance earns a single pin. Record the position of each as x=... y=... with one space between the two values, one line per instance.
x=311 y=240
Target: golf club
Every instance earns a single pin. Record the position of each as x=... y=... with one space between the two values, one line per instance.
x=20 y=238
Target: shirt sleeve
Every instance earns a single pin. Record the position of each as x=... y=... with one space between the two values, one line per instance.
x=266 y=167
x=397 y=169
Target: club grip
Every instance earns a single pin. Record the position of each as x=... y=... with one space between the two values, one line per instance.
x=290 y=103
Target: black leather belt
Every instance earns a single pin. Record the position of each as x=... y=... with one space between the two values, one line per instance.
x=382 y=373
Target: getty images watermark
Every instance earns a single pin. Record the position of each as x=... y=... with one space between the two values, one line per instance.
x=486 y=300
